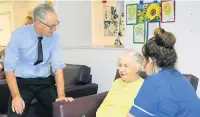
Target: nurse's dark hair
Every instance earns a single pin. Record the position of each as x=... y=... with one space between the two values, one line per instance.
x=161 y=48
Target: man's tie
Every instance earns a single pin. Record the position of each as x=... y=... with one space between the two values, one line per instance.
x=40 y=52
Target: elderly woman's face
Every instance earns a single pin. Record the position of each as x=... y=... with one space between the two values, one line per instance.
x=127 y=68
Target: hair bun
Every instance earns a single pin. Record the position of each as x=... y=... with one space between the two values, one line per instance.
x=163 y=38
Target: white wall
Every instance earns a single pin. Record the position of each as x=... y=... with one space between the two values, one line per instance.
x=103 y=63
x=186 y=29
x=75 y=22
x=76 y=28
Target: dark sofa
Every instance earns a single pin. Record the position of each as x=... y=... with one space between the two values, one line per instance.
x=78 y=83
x=87 y=106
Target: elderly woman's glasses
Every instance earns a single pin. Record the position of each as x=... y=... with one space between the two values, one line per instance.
x=51 y=27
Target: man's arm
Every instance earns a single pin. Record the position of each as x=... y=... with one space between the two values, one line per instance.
x=60 y=86
x=57 y=66
x=12 y=84
x=10 y=61
x=60 y=83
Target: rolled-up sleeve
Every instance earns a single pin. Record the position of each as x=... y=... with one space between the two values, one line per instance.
x=12 y=52
x=56 y=55
x=146 y=102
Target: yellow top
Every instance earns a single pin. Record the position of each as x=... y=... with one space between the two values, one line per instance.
x=119 y=99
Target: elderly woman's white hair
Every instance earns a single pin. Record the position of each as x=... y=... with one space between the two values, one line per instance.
x=137 y=58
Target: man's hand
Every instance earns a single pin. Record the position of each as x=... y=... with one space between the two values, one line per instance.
x=18 y=105
x=66 y=99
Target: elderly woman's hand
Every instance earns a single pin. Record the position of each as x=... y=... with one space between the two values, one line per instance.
x=130 y=115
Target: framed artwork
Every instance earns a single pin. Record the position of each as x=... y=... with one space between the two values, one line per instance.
x=107 y=13
x=110 y=22
x=131 y=14
x=168 y=11
x=149 y=11
x=139 y=33
x=151 y=26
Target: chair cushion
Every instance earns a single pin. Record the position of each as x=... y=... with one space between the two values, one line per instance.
x=4 y=96
x=76 y=74
x=193 y=80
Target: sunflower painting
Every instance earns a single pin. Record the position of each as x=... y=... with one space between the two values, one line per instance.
x=149 y=12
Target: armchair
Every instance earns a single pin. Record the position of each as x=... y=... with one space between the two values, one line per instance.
x=87 y=106
x=78 y=83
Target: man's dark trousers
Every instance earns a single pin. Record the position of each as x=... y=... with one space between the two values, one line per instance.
x=43 y=89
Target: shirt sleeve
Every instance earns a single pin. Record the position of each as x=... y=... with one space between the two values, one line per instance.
x=146 y=102
x=56 y=55
x=12 y=52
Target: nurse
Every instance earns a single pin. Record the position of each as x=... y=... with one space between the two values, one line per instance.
x=166 y=93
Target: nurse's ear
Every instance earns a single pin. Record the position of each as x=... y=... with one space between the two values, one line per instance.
x=149 y=66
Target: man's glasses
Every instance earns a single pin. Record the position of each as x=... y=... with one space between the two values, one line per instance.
x=51 y=27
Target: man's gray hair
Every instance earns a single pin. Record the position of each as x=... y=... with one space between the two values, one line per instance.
x=136 y=57
x=39 y=13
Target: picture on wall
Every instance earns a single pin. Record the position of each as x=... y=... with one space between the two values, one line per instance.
x=107 y=13
x=110 y=21
x=151 y=26
x=131 y=14
x=149 y=12
x=168 y=11
x=139 y=33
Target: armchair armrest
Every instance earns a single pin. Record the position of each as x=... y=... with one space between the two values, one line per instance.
x=4 y=96
x=80 y=90
x=87 y=106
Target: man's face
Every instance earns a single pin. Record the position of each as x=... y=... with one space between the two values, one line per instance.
x=49 y=24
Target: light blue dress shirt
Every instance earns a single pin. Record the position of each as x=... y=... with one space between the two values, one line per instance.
x=22 y=53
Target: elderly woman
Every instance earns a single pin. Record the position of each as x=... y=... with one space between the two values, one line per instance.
x=120 y=97
x=169 y=93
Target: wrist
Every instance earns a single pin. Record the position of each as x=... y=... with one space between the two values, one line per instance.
x=16 y=96
x=61 y=95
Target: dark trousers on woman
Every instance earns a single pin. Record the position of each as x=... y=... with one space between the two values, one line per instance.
x=43 y=89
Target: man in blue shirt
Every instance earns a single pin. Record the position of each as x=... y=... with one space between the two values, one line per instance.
x=27 y=63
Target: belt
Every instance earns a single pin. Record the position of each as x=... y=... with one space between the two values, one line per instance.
x=39 y=80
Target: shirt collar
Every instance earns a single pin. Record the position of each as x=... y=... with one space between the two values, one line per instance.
x=34 y=32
